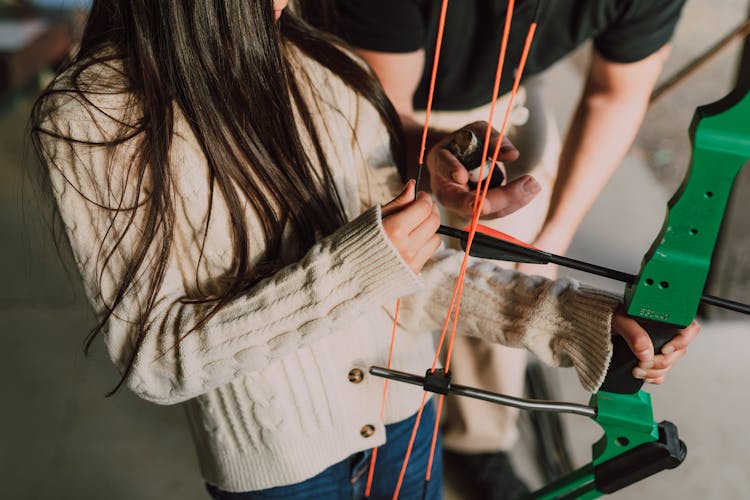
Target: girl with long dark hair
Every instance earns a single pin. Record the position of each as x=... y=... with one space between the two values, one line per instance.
x=219 y=167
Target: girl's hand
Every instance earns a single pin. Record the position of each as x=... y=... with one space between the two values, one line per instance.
x=652 y=368
x=449 y=179
x=411 y=226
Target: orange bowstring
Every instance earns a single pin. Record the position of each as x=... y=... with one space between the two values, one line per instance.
x=479 y=201
x=476 y=211
x=475 y=220
x=484 y=186
x=373 y=459
x=423 y=145
x=485 y=148
x=433 y=77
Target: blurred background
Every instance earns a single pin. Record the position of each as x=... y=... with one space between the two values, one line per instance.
x=60 y=438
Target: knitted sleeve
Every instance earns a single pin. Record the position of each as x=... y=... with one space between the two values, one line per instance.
x=338 y=278
x=563 y=322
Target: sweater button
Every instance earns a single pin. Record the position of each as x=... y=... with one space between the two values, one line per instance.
x=367 y=431
x=356 y=375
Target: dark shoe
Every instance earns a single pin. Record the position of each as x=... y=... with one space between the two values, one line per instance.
x=483 y=476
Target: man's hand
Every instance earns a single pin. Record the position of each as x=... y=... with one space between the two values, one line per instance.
x=449 y=179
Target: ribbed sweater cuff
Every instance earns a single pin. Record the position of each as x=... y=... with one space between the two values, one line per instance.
x=585 y=340
x=364 y=247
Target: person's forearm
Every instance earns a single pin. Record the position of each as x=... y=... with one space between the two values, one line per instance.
x=604 y=125
x=602 y=130
x=562 y=322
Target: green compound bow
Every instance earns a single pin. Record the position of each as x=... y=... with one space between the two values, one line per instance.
x=663 y=297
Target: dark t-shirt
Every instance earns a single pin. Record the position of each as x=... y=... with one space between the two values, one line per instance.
x=622 y=31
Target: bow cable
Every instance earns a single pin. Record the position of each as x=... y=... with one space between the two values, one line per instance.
x=477 y=208
x=420 y=166
x=475 y=221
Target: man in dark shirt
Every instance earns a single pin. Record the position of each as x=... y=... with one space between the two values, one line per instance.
x=397 y=38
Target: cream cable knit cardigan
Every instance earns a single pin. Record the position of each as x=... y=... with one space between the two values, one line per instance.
x=265 y=381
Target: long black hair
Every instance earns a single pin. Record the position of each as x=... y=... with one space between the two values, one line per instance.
x=223 y=64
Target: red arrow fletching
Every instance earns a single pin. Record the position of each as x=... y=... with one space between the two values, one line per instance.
x=501 y=236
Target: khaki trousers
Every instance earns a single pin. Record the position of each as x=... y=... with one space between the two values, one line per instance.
x=470 y=425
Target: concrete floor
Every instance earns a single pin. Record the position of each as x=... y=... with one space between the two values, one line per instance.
x=61 y=439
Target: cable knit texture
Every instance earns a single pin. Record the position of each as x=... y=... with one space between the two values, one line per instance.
x=265 y=379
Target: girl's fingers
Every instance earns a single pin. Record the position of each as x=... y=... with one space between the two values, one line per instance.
x=683 y=338
x=423 y=241
x=655 y=381
x=653 y=368
x=404 y=198
x=427 y=228
x=640 y=373
x=425 y=252
x=411 y=225
x=411 y=215
x=635 y=336
x=452 y=195
x=508 y=151
x=659 y=366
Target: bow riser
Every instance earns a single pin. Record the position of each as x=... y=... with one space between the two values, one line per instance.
x=674 y=270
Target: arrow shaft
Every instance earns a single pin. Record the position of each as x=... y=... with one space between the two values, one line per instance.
x=528 y=254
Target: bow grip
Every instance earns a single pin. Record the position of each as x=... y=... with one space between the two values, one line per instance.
x=619 y=378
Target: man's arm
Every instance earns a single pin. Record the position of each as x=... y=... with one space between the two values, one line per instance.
x=603 y=128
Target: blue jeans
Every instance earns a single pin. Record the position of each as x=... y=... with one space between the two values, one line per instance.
x=346 y=480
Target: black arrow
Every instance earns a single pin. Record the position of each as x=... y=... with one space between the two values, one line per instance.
x=489 y=247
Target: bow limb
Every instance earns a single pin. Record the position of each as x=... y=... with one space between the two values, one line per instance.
x=674 y=271
x=665 y=296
